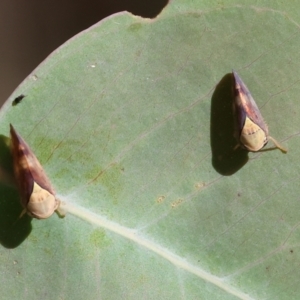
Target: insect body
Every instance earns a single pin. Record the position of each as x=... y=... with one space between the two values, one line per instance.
x=37 y=194
x=251 y=131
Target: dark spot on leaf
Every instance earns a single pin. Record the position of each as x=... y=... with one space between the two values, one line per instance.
x=135 y=27
x=195 y=14
x=18 y=99
x=99 y=239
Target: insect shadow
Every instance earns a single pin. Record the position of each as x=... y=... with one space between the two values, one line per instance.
x=227 y=159
x=13 y=229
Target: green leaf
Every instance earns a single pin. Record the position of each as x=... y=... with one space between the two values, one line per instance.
x=129 y=120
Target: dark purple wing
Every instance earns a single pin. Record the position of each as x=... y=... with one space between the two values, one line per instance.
x=245 y=105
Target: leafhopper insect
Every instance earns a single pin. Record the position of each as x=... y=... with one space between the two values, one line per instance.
x=37 y=194
x=251 y=130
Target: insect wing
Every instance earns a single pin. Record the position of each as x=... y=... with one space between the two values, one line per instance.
x=245 y=105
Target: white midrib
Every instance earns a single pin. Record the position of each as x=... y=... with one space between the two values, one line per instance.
x=134 y=236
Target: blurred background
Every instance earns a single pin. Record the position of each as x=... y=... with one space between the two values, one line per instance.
x=30 y=30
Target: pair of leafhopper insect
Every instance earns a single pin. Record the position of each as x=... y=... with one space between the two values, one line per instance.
x=252 y=132
x=38 y=196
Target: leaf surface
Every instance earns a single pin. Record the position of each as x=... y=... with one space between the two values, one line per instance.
x=123 y=119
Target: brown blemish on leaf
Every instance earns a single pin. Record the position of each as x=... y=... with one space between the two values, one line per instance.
x=199 y=185
x=176 y=203
x=160 y=199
